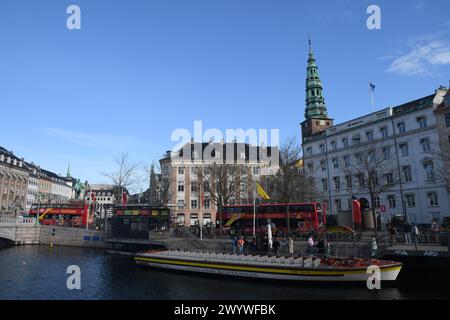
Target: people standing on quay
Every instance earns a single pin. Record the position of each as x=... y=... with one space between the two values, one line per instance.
x=241 y=243
x=407 y=231
x=291 y=246
x=284 y=245
x=234 y=244
x=416 y=234
x=276 y=246
x=393 y=233
x=374 y=247
x=310 y=244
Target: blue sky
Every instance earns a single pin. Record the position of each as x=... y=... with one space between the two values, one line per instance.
x=137 y=70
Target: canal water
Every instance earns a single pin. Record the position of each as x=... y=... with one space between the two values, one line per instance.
x=39 y=272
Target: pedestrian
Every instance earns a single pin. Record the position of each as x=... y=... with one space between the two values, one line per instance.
x=310 y=244
x=234 y=244
x=393 y=234
x=254 y=245
x=284 y=245
x=241 y=243
x=266 y=244
x=379 y=222
x=407 y=233
x=321 y=246
x=328 y=252
x=291 y=245
x=276 y=245
x=374 y=247
x=416 y=233
x=434 y=231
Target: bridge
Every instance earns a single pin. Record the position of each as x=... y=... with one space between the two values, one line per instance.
x=19 y=230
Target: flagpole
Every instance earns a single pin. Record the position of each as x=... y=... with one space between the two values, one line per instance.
x=371 y=96
x=254 y=208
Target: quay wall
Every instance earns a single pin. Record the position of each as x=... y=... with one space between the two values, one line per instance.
x=72 y=237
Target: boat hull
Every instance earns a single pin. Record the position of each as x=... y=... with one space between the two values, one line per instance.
x=388 y=273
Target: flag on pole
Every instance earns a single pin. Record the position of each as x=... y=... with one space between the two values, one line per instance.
x=372 y=87
x=261 y=192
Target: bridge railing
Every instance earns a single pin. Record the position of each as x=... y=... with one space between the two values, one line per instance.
x=9 y=221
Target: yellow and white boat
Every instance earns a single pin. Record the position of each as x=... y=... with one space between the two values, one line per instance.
x=320 y=269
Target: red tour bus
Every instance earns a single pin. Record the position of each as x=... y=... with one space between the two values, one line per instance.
x=70 y=215
x=303 y=217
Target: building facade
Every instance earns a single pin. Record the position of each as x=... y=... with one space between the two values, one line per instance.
x=183 y=177
x=13 y=183
x=407 y=139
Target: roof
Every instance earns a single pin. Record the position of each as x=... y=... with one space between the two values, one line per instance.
x=209 y=149
x=445 y=104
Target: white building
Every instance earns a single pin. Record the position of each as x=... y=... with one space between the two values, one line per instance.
x=406 y=137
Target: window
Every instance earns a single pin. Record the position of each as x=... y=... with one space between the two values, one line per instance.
x=387 y=153
x=356 y=140
x=377 y=203
x=425 y=143
x=361 y=180
x=323 y=165
x=345 y=142
x=447 y=119
x=194 y=170
x=389 y=178
x=384 y=132
x=333 y=145
x=391 y=201
x=242 y=155
x=347 y=161
x=401 y=127
x=433 y=199
x=322 y=148
x=193 y=204
x=309 y=151
x=407 y=175
x=180 y=186
x=324 y=184
x=410 y=200
x=369 y=135
x=335 y=163
x=337 y=183
x=338 y=204
x=422 y=121
x=180 y=204
x=311 y=167
x=194 y=187
x=348 y=181
x=371 y=155
x=255 y=170
x=207 y=203
x=429 y=169
x=404 y=149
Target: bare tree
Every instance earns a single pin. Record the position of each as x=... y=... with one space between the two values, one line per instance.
x=373 y=170
x=125 y=174
x=290 y=184
x=222 y=183
x=442 y=171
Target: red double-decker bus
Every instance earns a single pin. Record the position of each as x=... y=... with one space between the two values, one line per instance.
x=303 y=217
x=69 y=215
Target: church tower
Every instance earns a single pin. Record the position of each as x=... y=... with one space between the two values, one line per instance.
x=316 y=117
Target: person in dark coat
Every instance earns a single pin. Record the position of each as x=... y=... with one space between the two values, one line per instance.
x=276 y=245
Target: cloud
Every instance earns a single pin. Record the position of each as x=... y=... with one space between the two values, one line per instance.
x=422 y=59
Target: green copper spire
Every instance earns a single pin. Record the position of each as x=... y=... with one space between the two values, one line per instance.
x=68 y=171
x=315 y=103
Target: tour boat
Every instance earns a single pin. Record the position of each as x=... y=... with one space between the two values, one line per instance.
x=320 y=269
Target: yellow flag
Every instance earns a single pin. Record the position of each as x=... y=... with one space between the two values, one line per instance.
x=261 y=192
